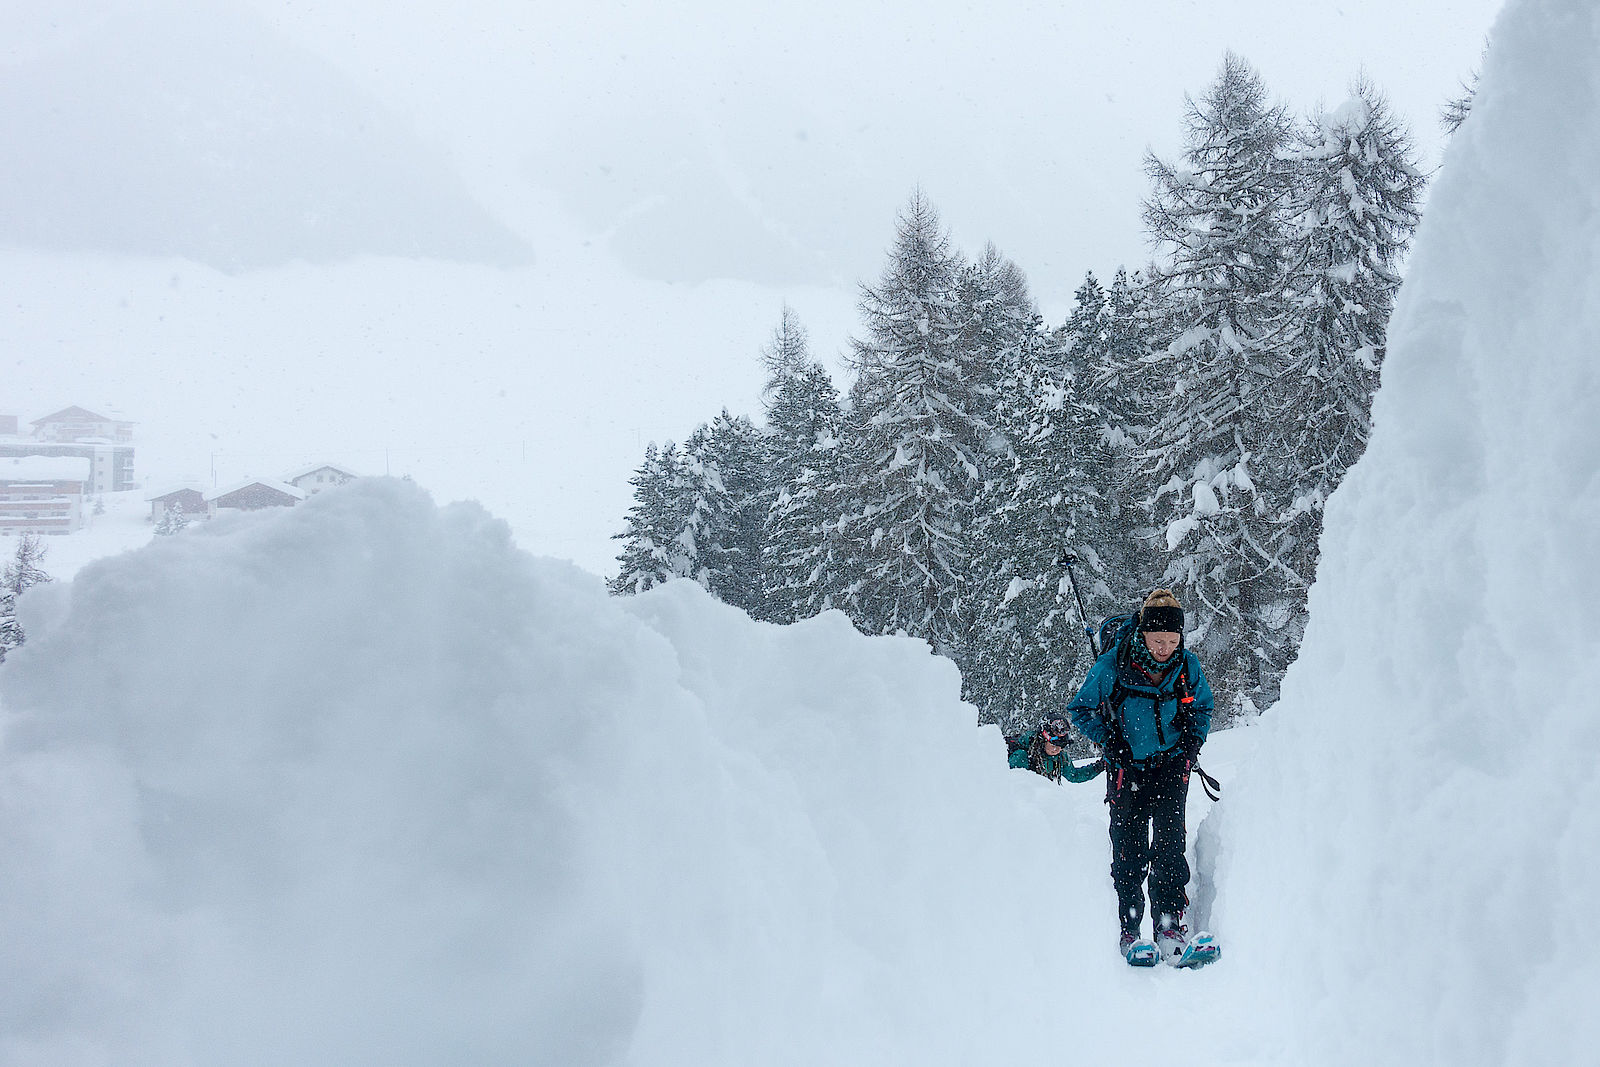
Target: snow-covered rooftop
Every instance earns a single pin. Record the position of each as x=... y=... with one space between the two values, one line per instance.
x=44 y=469
x=268 y=483
x=312 y=468
x=168 y=490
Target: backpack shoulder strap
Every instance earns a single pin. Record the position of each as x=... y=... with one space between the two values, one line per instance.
x=1119 y=692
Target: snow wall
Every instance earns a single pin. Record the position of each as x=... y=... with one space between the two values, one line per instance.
x=1412 y=855
x=362 y=783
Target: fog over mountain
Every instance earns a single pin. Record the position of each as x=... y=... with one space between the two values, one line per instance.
x=209 y=136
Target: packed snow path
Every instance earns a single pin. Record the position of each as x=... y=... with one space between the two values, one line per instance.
x=362 y=783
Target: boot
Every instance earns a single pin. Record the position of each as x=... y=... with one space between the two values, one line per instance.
x=1137 y=951
x=1172 y=937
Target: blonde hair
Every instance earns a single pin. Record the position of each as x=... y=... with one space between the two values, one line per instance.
x=1162 y=598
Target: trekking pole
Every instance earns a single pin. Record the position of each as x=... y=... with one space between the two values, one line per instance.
x=1109 y=714
x=1067 y=560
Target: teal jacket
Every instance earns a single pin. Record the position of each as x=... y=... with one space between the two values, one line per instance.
x=1029 y=754
x=1154 y=719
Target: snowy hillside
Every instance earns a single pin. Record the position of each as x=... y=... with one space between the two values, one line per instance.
x=361 y=782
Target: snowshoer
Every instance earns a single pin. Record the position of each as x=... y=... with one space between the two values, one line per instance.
x=1147 y=705
x=1044 y=751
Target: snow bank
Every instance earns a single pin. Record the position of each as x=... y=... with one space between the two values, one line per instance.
x=1410 y=859
x=360 y=782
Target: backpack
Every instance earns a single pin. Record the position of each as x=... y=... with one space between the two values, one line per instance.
x=1016 y=743
x=1113 y=630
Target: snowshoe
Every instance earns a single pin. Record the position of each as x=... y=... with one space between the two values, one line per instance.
x=1201 y=950
x=1137 y=951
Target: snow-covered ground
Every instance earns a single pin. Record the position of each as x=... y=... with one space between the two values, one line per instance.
x=125 y=524
x=365 y=765
x=361 y=782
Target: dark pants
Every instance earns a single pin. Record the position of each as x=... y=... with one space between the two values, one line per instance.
x=1147 y=839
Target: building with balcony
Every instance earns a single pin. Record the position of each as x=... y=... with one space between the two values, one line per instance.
x=42 y=494
x=77 y=433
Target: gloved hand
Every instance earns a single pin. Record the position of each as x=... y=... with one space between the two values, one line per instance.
x=1189 y=748
x=1116 y=752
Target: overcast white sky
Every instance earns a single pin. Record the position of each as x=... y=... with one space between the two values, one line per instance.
x=192 y=196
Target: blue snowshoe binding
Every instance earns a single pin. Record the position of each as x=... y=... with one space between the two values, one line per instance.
x=1201 y=950
x=1137 y=951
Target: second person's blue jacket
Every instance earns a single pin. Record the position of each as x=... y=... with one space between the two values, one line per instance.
x=1153 y=719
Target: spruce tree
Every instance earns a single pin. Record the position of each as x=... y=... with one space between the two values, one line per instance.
x=922 y=470
x=173 y=519
x=25 y=569
x=1096 y=361
x=801 y=547
x=21 y=573
x=1000 y=340
x=1025 y=648
x=846 y=500
x=726 y=478
x=1000 y=323
x=1220 y=217
x=1129 y=398
x=11 y=635
x=654 y=550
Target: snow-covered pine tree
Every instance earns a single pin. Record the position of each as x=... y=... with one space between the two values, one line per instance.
x=1002 y=334
x=21 y=573
x=1220 y=219
x=1123 y=380
x=845 y=499
x=25 y=569
x=1010 y=658
x=1000 y=327
x=727 y=480
x=1025 y=643
x=1358 y=198
x=1129 y=398
x=1458 y=107
x=920 y=473
x=172 y=520
x=1096 y=356
x=653 y=548
x=801 y=549
x=11 y=635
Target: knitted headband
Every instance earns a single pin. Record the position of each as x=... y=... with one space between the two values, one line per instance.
x=1161 y=614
